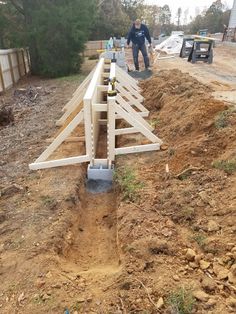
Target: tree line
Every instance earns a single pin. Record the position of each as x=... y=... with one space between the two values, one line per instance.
x=56 y=30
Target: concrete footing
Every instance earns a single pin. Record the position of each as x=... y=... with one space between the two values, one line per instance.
x=100 y=172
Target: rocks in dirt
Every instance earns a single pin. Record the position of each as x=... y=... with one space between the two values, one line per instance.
x=56 y=286
x=208 y=284
x=232 y=275
x=220 y=271
x=3 y=217
x=160 y=303
x=201 y=295
x=190 y=255
x=11 y=190
x=21 y=298
x=212 y=226
x=6 y=116
x=207 y=199
x=176 y=277
x=160 y=247
x=204 y=264
x=40 y=283
x=231 y=302
x=45 y=296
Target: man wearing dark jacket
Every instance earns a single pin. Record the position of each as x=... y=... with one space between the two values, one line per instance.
x=137 y=35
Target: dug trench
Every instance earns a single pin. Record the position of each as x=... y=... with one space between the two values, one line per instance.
x=163 y=250
x=164 y=242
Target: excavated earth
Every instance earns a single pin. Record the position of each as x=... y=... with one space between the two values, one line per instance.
x=63 y=248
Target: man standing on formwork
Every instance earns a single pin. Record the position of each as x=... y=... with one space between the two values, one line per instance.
x=137 y=35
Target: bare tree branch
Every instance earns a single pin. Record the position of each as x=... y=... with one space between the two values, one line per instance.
x=17 y=6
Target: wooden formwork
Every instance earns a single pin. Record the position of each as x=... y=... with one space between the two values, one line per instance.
x=126 y=105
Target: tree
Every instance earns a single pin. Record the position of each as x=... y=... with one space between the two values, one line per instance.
x=179 y=13
x=213 y=19
x=117 y=25
x=165 y=15
x=186 y=14
x=151 y=17
x=133 y=8
x=55 y=31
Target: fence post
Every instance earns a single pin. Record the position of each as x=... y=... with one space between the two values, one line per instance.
x=1 y=78
x=18 y=63
x=28 y=59
x=11 y=69
x=23 y=57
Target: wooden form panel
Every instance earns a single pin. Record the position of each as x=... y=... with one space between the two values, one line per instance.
x=127 y=105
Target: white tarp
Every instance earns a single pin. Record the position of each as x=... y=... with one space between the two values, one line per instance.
x=171 y=45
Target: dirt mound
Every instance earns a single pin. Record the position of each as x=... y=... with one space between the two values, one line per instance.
x=197 y=127
x=168 y=83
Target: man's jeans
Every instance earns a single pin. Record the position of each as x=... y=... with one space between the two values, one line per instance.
x=143 y=50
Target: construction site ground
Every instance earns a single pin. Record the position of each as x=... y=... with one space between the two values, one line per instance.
x=161 y=242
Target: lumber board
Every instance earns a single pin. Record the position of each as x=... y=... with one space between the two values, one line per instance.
x=69 y=111
x=131 y=99
x=131 y=110
x=123 y=131
x=142 y=129
x=129 y=79
x=129 y=88
x=88 y=128
x=137 y=149
x=111 y=129
x=96 y=79
x=59 y=162
x=69 y=139
x=80 y=90
x=100 y=107
x=61 y=137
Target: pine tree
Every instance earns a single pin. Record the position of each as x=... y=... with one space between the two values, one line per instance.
x=55 y=31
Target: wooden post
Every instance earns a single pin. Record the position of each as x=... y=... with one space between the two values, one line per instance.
x=18 y=62
x=11 y=69
x=1 y=78
x=28 y=59
x=23 y=57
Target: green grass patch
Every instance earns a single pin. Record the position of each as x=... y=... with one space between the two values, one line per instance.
x=228 y=166
x=72 y=78
x=222 y=120
x=155 y=122
x=181 y=301
x=128 y=183
x=47 y=200
x=200 y=238
x=94 y=57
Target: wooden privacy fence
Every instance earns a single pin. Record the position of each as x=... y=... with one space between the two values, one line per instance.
x=14 y=64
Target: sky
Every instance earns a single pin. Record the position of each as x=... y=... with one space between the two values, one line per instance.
x=187 y=4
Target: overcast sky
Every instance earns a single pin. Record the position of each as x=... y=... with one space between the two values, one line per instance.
x=187 y=4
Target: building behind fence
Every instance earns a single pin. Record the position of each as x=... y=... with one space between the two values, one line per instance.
x=14 y=64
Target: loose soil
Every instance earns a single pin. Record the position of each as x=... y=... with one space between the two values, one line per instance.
x=63 y=248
